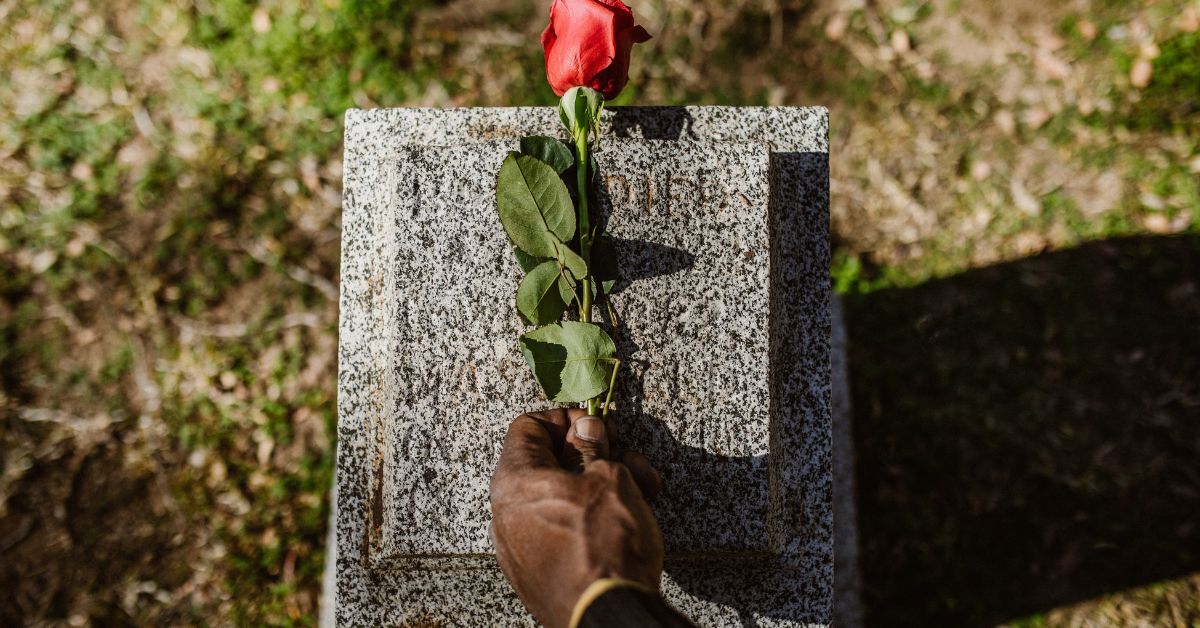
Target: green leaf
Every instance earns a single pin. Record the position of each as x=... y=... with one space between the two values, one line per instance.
x=567 y=283
x=573 y=262
x=580 y=109
x=572 y=361
x=534 y=205
x=526 y=261
x=544 y=294
x=550 y=151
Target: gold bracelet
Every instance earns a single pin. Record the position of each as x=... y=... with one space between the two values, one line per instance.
x=595 y=590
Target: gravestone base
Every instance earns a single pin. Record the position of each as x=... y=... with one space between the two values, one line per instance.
x=719 y=218
x=847 y=584
x=847 y=594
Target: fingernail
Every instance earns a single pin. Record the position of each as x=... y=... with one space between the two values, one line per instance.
x=589 y=428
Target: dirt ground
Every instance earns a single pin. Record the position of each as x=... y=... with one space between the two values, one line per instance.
x=1015 y=208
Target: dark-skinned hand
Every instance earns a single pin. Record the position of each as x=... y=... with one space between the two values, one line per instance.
x=566 y=512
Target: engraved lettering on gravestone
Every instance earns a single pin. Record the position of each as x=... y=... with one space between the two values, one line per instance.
x=618 y=188
x=684 y=191
x=667 y=193
x=644 y=192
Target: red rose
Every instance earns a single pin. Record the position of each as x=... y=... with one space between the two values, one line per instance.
x=587 y=45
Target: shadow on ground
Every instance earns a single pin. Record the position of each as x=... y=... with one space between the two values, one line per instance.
x=1028 y=435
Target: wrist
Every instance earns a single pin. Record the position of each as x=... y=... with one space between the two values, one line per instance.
x=597 y=589
x=614 y=602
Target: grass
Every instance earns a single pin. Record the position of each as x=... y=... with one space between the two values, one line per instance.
x=169 y=222
x=1172 y=101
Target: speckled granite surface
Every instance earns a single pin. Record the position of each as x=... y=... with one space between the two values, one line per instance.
x=729 y=395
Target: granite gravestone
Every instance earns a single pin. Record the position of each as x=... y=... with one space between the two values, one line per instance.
x=723 y=324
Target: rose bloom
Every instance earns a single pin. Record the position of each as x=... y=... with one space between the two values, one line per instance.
x=587 y=44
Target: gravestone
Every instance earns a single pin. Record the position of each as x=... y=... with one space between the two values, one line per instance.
x=720 y=222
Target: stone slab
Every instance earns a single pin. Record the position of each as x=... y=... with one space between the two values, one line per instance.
x=692 y=241
x=768 y=465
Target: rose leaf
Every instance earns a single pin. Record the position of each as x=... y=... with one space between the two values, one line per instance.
x=572 y=361
x=534 y=206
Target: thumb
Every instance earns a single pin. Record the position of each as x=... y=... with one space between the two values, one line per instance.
x=586 y=441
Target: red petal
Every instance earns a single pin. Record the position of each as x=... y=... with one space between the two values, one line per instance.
x=622 y=11
x=548 y=39
x=585 y=42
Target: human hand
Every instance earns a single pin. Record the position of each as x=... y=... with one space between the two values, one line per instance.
x=564 y=515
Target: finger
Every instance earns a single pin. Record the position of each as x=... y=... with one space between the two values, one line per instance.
x=644 y=474
x=587 y=441
x=535 y=441
x=527 y=445
x=556 y=421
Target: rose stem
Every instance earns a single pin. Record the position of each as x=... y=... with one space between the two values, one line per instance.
x=612 y=383
x=585 y=238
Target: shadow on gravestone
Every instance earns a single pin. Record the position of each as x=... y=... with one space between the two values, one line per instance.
x=638 y=260
x=655 y=123
x=669 y=260
x=1027 y=434
x=749 y=582
x=753 y=582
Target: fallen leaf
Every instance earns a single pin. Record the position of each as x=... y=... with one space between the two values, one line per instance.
x=1051 y=66
x=1036 y=118
x=1029 y=243
x=260 y=21
x=1140 y=74
x=265 y=447
x=1088 y=30
x=1189 y=20
x=1153 y=201
x=82 y=171
x=42 y=261
x=1006 y=121
x=836 y=26
x=1024 y=201
x=1157 y=223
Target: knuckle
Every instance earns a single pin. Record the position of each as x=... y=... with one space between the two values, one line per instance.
x=608 y=471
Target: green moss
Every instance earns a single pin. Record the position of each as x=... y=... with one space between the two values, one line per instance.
x=1172 y=99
